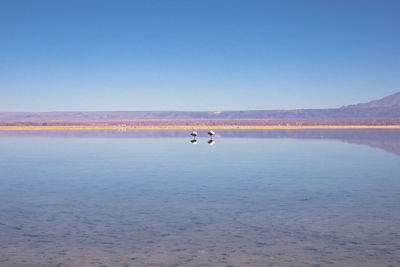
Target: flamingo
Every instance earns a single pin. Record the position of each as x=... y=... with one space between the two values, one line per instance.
x=194 y=134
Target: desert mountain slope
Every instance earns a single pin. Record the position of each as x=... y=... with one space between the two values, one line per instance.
x=388 y=107
x=392 y=101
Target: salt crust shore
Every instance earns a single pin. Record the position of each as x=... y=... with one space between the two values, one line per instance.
x=191 y=127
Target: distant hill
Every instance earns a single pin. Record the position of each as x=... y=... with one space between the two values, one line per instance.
x=392 y=101
x=388 y=107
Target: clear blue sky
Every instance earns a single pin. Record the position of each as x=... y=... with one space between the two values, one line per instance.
x=196 y=55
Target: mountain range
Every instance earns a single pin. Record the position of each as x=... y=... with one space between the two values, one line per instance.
x=387 y=107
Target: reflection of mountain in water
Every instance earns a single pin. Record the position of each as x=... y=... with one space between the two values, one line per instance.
x=386 y=139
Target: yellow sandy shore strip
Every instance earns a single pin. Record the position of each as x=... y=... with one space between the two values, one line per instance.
x=190 y=127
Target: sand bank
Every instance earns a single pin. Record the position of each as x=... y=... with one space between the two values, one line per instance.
x=191 y=127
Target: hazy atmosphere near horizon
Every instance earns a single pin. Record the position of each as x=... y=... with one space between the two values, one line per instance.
x=196 y=55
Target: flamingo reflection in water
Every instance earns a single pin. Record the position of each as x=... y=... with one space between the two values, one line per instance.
x=193 y=141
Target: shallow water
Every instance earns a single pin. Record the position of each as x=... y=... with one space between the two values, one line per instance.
x=254 y=198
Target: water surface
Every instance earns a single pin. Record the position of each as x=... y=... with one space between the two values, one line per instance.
x=254 y=198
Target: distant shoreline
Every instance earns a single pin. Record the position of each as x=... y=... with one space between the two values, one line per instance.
x=189 y=127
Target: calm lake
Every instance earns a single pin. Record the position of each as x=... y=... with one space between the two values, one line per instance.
x=254 y=198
